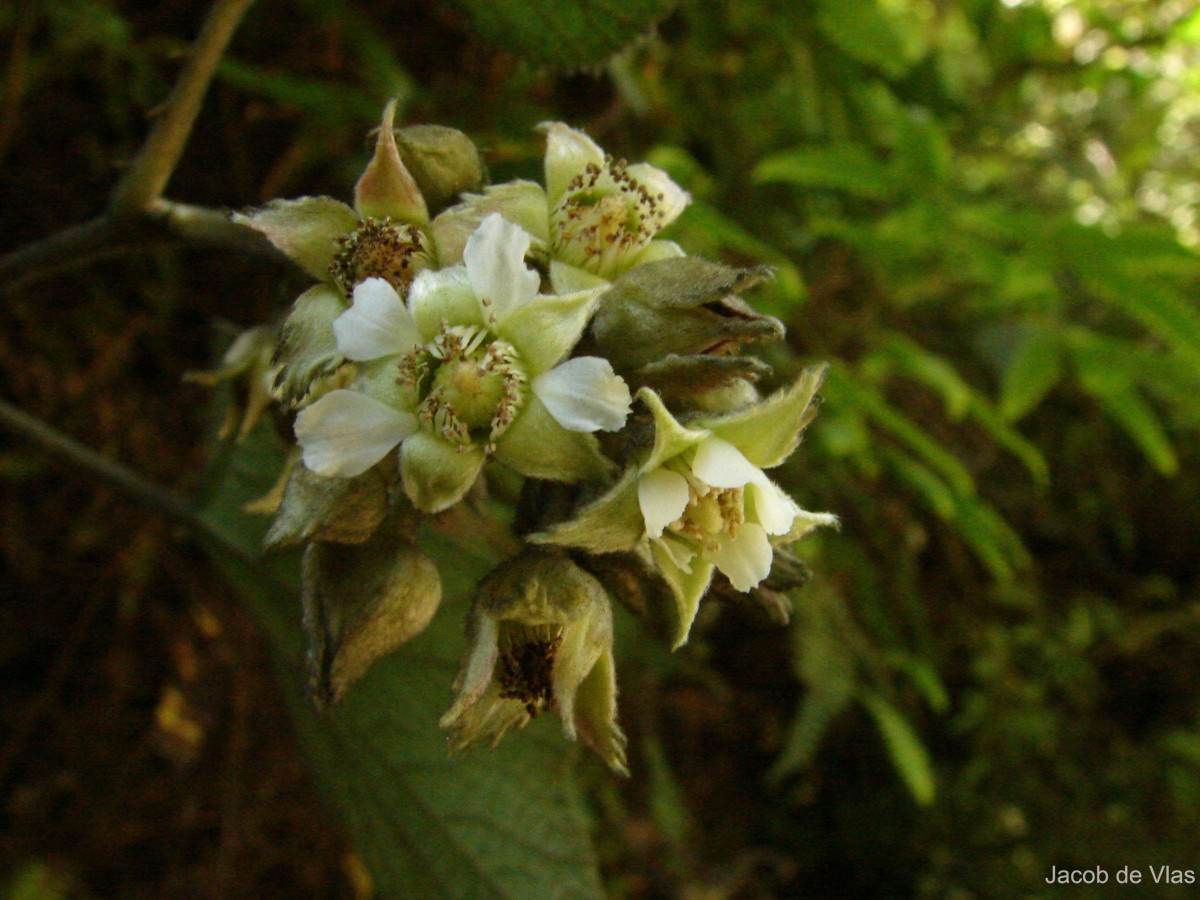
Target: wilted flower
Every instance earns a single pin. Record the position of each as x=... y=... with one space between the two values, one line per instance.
x=596 y=218
x=539 y=638
x=384 y=235
x=700 y=501
x=472 y=366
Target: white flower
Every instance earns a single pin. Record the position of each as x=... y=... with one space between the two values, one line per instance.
x=384 y=235
x=700 y=501
x=596 y=217
x=474 y=365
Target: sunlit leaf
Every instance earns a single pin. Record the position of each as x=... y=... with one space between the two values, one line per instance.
x=848 y=168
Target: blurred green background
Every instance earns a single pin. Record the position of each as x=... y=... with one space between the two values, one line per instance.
x=983 y=214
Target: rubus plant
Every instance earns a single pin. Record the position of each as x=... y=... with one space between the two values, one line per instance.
x=509 y=326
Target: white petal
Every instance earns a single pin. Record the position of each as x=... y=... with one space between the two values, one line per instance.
x=377 y=324
x=662 y=496
x=345 y=433
x=495 y=260
x=773 y=509
x=746 y=559
x=584 y=394
x=720 y=464
x=658 y=184
x=568 y=152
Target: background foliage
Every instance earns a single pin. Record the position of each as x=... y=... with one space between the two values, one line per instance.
x=983 y=215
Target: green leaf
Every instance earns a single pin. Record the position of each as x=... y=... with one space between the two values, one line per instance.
x=1035 y=368
x=564 y=34
x=908 y=754
x=1111 y=381
x=847 y=167
x=826 y=664
x=497 y=824
x=862 y=30
x=843 y=387
x=962 y=400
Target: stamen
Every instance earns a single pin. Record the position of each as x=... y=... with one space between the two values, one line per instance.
x=525 y=670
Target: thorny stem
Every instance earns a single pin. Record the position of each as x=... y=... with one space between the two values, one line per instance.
x=116 y=475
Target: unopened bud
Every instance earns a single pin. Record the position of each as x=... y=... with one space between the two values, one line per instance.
x=337 y=510
x=444 y=162
x=684 y=306
x=361 y=602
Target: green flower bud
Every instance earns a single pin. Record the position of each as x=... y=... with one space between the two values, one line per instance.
x=539 y=638
x=362 y=601
x=683 y=306
x=444 y=162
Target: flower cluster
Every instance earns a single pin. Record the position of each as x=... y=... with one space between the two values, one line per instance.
x=458 y=330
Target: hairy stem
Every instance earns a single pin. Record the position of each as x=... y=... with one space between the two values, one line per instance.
x=147 y=176
x=138 y=217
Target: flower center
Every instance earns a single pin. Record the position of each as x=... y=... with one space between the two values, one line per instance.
x=469 y=384
x=712 y=514
x=604 y=216
x=525 y=668
x=379 y=249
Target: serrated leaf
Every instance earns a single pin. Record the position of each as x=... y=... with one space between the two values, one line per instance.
x=908 y=754
x=564 y=34
x=1035 y=368
x=497 y=824
x=846 y=167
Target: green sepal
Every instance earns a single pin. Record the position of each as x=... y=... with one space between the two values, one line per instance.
x=566 y=278
x=670 y=437
x=687 y=587
x=304 y=230
x=768 y=432
x=436 y=473
x=307 y=345
x=547 y=328
x=596 y=713
x=613 y=523
x=523 y=203
x=538 y=447
x=443 y=296
x=386 y=189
